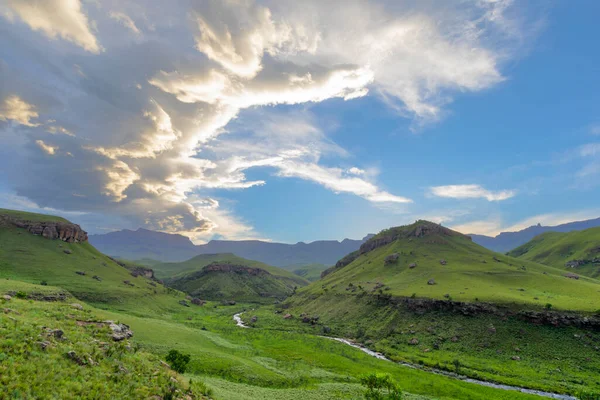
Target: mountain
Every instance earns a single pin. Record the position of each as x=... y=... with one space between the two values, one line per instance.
x=228 y=277
x=311 y=272
x=506 y=241
x=47 y=250
x=426 y=260
x=142 y=243
x=577 y=251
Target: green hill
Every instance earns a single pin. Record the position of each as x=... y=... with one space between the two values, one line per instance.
x=228 y=277
x=76 y=267
x=425 y=260
x=577 y=252
x=310 y=272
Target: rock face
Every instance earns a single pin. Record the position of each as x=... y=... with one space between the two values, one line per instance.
x=119 y=331
x=238 y=269
x=64 y=231
x=392 y=259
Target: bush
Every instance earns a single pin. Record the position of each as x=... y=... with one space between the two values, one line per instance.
x=548 y=306
x=380 y=387
x=21 y=295
x=44 y=283
x=589 y=396
x=178 y=361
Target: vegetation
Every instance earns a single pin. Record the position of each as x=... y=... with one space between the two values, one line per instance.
x=311 y=272
x=380 y=387
x=579 y=249
x=178 y=361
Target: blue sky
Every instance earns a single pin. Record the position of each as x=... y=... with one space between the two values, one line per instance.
x=481 y=115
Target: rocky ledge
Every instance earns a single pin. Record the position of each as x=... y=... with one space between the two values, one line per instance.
x=238 y=269
x=65 y=231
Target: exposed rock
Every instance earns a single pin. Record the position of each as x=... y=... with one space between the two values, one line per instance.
x=119 y=331
x=492 y=329
x=454 y=339
x=96 y=277
x=80 y=273
x=443 y=262
x=228 y=302
x=413 y=341
x=6 y=297
x=516 y=358
x=198 y=302
x=326 y=329
x=413 y=265
x=77 y=306
x=55 y=333
x=43 y=344
x=184 y=303
x=67 y=251
x=65 y=231
x=391 y=259
x=73 y=356
x=571 y=275
x=254 y=319
x=142 y=271
x=431 y=282
x=128 y=283
x=287 y=316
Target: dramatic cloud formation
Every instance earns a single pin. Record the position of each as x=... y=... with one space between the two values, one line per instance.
x=470 y=192
x=54 y=18
x=154 y=128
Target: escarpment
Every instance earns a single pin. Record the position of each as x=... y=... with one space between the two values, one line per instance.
x=65 y=231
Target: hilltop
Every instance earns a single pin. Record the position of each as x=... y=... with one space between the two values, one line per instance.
x=430 y=261
x=578 y=252
x=506 y=241
x=165 y=247
x=48 y=250
x=228 y=277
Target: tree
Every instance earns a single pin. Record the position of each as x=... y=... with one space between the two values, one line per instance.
x=380 y=387
x=178 y=361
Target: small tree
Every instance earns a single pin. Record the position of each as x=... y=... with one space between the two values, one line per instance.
x=380 y=387
x=178 y=361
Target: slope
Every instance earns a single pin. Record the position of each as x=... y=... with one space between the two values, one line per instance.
x=578 y=252
x=75 y=266
x=228 y=277
x=430 y=261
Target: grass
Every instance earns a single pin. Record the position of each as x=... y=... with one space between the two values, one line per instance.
x=556 y=249
x=472 y=273
x=27 y=216
x=34 y=363
x=310 y=272
x=191 y=277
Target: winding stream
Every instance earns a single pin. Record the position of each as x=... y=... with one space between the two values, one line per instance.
x=238 y=320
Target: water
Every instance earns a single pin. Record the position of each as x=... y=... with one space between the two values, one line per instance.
x=238 y=320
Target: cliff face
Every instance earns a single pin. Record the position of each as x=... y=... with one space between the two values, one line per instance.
x=64 y=231
x=238 y=269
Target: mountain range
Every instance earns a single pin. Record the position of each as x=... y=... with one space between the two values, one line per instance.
x=507 y=241
x=143 y=243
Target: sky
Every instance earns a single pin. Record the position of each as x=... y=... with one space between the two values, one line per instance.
x=300 y=121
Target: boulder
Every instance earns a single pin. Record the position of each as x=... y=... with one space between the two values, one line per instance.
x=254 y=319
x=571 y=275
x=413 y=341
x=77 y=306
x=412 y=265
x=391 y=259
x=67 y=251
x=80 y=272
x=197 y=301
x=119 y=331
x=184 y=303
x=515 y=358
x=6 y=297
x=431 y=282
x=287 y=316
x=443 y=262
x=96 y=277
x=326 y=329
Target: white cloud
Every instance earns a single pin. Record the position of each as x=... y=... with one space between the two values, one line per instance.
x=595 y=129
x=125 y=20
x=589 y=150
x=470 y=192
x=46 y=148
x=13 y=108
x=63 y=18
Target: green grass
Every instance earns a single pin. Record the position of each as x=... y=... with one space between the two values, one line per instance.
x=556 y=248
x=190 y=276
x=310 y=272
x=34 y=259
x=104 y=369
x=472 y=273
x=27 y=216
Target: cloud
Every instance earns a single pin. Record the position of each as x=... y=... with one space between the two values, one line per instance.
x=595 y=129
x=589 y=150
x=63 y=18
x=13 y=108
x=46 y=148
x=470 y=192
x=125 y=20
x=159 y=127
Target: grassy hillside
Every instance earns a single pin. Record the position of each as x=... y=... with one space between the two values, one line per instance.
x=581 y=250
x=31 y=216
x=38 y=363
x=34 y=259
x=228 y=277
x=310 y=272
x=460 y=269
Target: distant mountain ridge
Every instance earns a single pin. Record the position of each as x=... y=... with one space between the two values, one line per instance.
x=507 y=241
x=143 y=243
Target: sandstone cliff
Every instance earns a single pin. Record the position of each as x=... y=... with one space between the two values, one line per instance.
x=65 y=231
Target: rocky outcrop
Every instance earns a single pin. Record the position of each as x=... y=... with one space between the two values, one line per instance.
x=65 y=231
x=142 y=271
x=238 y=269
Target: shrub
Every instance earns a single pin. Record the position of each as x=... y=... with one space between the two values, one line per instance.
x=44 y=283
x=380 y=387
x=178 y=361
x=21 y=295
x=548 y=306
x=589 y=396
